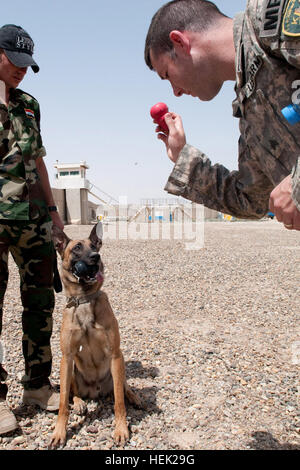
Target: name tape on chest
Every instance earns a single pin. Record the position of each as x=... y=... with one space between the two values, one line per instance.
x=271 y=17
x=291 y=20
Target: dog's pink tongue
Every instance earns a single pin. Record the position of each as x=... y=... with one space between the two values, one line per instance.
x=99 y=277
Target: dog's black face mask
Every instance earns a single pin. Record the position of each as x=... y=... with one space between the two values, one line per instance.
x=85 y=262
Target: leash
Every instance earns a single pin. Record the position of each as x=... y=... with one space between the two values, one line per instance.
x=56 y=277
x=76 y=301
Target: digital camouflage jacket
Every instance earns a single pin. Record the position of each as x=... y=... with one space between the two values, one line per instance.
x=21 y=194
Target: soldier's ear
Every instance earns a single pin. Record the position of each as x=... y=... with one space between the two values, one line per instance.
x=60 y=239
x=181 y=42
x=96 y=235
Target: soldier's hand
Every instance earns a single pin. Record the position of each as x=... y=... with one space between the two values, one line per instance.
x=175 y=139
x=282 y=205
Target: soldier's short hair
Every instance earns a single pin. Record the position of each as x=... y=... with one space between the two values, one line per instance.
x=180 y=15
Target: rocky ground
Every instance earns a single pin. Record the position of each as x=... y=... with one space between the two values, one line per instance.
x=211 y=340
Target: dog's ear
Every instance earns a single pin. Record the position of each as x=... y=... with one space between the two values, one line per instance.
x=60 y=239
x=96 y=235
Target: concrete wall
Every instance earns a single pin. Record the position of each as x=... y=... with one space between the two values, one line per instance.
x=75 y=208
x=60 y=202
x=73 y=202
x=75 y=182
x=84 y=206
x=92 y=211
x=210 y=214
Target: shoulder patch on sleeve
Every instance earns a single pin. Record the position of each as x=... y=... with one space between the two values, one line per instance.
x=271 y=17
x=291 y=20
x=25 y=96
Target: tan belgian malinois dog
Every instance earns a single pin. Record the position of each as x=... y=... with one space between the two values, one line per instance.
x=92 y=363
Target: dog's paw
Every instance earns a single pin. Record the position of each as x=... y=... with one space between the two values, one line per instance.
x=79 y=406
x=58 y=438
x=121 y=434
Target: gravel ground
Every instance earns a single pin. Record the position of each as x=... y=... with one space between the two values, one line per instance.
x=211 y=340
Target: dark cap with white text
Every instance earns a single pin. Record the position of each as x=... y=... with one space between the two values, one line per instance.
x=18 y=46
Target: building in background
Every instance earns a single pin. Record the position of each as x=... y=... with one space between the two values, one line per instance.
x=71 y=192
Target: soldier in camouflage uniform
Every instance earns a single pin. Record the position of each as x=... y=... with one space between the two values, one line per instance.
x=27 y=211
x=194 y=46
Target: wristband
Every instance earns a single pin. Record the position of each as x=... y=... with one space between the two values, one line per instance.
x=52 y=208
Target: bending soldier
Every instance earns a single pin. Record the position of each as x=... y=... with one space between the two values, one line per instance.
x=196 y=48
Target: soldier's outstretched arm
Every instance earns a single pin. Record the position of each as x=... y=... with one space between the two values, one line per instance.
x=195 y=178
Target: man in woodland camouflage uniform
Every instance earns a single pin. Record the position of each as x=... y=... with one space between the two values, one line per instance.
x=27 y=211
x=194 y=46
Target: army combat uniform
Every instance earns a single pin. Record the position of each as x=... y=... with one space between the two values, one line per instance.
x=267 y=43
x=25 y=231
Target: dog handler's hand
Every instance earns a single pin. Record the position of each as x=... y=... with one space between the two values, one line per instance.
x=175 y=140
x=282 y=205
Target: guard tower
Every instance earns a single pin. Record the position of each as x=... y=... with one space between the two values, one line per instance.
x=71 y=178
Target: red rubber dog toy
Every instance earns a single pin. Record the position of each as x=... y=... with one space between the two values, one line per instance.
x=158 y=112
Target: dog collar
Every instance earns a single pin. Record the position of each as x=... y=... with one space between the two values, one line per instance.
x=76 y=301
